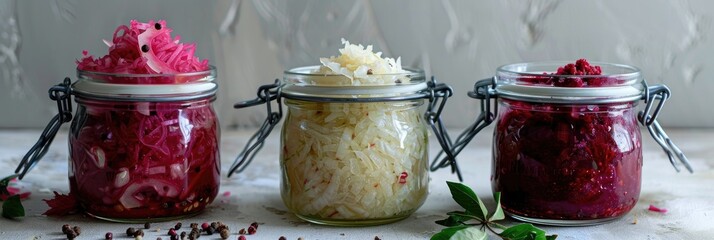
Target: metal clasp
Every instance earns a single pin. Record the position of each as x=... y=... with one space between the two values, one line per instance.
x=648 y=117
x=266 y=94
x=484 y=90
x=438 y=93
x=62 y=94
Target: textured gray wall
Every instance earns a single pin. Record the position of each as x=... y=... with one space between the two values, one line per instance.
x=251 y=42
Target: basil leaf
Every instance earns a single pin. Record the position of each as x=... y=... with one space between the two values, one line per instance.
x=455 y=218
x=12 y=207
x=460 y=233
x=466 y=198
x=446 y=233
x=471 y=233
x=524 y=231
x=498 y=213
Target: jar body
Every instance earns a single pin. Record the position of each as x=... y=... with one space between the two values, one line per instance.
x=354 y=164
x=566 y=164
x=132 y=161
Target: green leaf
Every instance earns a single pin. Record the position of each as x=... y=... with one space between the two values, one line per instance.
x=455 y=218
x=466 y=198
x=498 y=213
x=460 y=233
x=524 y=231
x=6 y=181
x=12 y=207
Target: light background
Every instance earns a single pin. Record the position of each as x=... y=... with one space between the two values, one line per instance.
x=459 y=42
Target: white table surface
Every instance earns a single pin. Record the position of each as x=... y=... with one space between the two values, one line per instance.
x=255 y=196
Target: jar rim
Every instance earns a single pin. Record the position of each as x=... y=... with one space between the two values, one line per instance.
x=211 y=71
x=307 y=83
x=133 y=87
x=518 y=81
x=628 y=71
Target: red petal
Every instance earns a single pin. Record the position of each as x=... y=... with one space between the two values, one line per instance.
x=61 y=205
x=656 y=209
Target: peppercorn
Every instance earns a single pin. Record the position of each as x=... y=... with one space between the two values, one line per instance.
x=210 y=230
x=109 y=236
x=205 y=226
x=159 y=238
x=254 y=225
x=171 y=232
x=242 y=231
x=241 y=237
x=130 y=231
x=225 y=234
x=282 y=238
x=183 y=235
x=71 y=235
x=194 y=225
x=174 y=237
x=147 y=225
x=139 y=233
x=66 y=229
x=377 y=238
x=214 y=225
x=251 y=230
x=77 y=230
x=178 y=226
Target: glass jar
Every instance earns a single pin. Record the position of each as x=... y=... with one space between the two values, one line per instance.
x=353 y=155
x=141 y=151
x=568 y=155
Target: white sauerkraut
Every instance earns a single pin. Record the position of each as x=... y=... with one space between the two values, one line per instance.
x=354 y=161
x=361 y=66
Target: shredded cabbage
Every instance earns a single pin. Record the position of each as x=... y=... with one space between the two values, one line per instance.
x=126 y=165
x=142 y=159
x=354 y=160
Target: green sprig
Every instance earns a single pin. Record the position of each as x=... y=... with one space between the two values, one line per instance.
x=473 y=222
x=11 y=207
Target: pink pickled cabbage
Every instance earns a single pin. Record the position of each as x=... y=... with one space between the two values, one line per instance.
x=164 y=55
x=142 y=159
x=128 y=164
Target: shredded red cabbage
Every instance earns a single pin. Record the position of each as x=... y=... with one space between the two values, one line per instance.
x=164 y=55
x=126 y=164
x=141 y=159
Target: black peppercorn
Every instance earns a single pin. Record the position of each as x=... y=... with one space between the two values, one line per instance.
x=130 y=232
x=76 y=230
x=225 y=234
x=109 y=236
x=145 y=48
x=178 y=226
x=282 y=238
x=71 y=235
x=139 y=233
x=66 y=229
x=147 y=225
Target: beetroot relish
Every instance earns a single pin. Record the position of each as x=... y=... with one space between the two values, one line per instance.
x=567 y=161
x=130 y=162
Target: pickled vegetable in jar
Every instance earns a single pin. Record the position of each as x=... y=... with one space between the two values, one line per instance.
x=354 y=144
x=567 y=148
x=143 y=143
x=145 y=156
